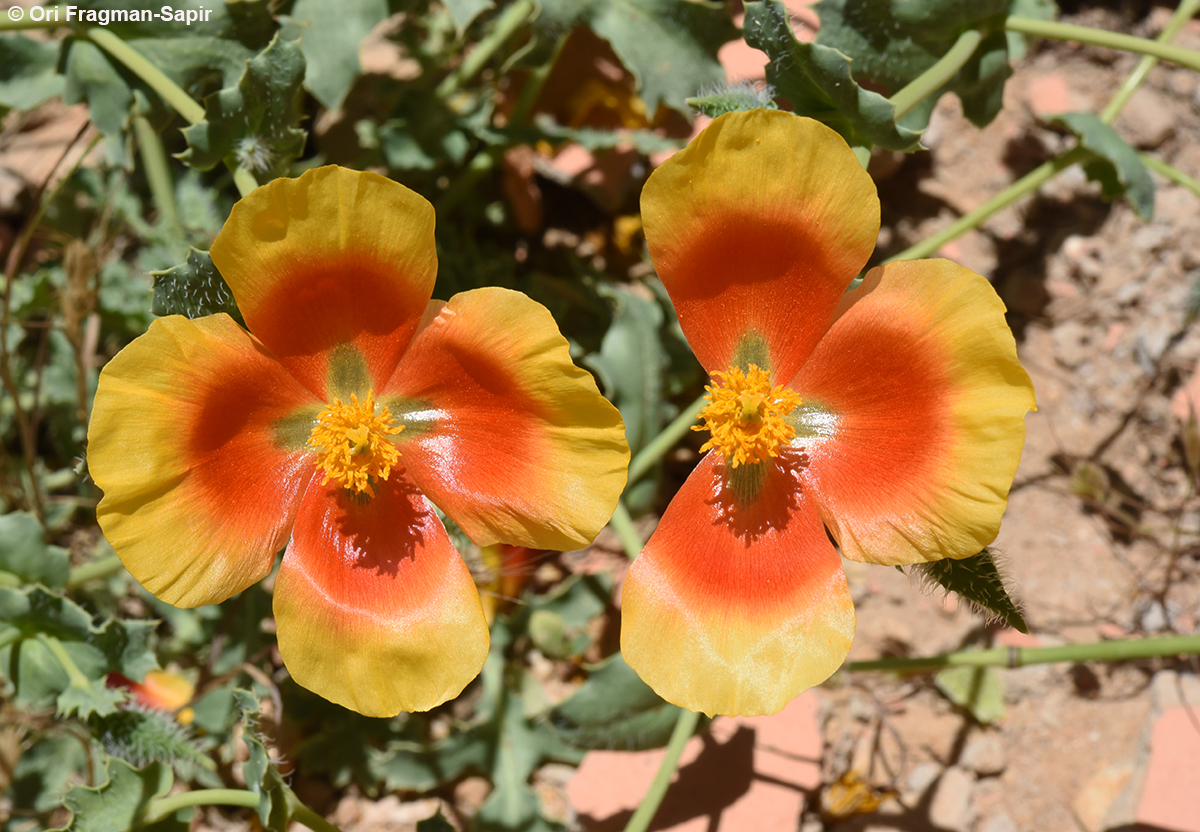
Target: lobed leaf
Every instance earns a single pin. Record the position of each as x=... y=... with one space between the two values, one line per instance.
x=330 y=41
x=122 y=801
x=193 y=289
x=253 y=125
x=816 y=79
x=1114 y=164
x=25 y=553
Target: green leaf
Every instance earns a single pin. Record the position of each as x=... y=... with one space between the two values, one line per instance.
x=631 y=363
x=816 y=80
x=736 y=98
x=24 y=553
x=330 y=43
x=193 y=289
x=45 y=768
x=127 y=645
x=410 y=766
x=979 y=582
x=121 y=802
x=87 y=700
x=891 y=42
x=670 y=46
x=29 y=72
x=254 y=124
x=465 y=11
x=262 y=777
x=615 y=709
x=978 y=689
x=93 y=79
x=1115 y=165
x=140 y=737
x=1035 y=9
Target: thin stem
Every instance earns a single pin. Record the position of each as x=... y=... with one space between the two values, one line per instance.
x=244 y=180
x=1028 y=183
x=1102 y=37
x=667 y=439
x=78 y=680
x=1186 y=11
x=685 y=726
x=158 y=174
x=1101 y=651
x=94 y=570
x=1172 y=173
x=937 y=75
x=622 y=525
x=133 y=60
x=509 y=21
x=164 y=807
x=535 y=82
x=311 y=819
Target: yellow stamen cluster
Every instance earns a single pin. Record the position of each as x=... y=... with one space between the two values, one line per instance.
x=745 y=415
x=352 y=445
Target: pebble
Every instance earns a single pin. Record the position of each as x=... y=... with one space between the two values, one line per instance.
x=951 y=804
x=919 y=780
x=1000 y=822
x=1072 y=343
x=1147 y=120
x=985 y=753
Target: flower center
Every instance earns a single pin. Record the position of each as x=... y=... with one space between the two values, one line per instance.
x=745 y=415
x=352 y=445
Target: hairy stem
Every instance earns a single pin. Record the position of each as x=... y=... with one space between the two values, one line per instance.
x=1173 y=173
x=158 y=174
x=163 y=807
x=667 y=439
x=507 y=24
x=622 y=524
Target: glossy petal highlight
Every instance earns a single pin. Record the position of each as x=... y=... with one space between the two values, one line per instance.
x=334 y=257
x=198 y=493
x=375 y=609
x=503 y=432
x=924 y=403
x=737 y=604
x=756 y=228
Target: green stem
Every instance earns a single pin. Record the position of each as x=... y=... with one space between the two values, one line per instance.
x=535 y=82
x=78 y=680
x=622 y=524
x=937 y=75
x=94 y=570
x=667 y=439
x=1028 y=183
x=311 y=819
x=244 y=180
x=467 y=180
x=509 y=21
x=1186 y=11
x=1102 y=37
x=1102 y=651
x=164 y=807
x=148 y=72
x=1172 y=173
x=158 y=174
x=685 y=726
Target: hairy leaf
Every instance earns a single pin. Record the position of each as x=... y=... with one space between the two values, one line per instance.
x=122 y=801
x=1114 y=164
x=816 y=79
x=253 y=125
x=28 y=72
x=262 y=777
x=193 y=289
x=979 y=582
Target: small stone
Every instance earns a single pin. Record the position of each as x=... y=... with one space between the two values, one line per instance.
x=985 y=753
x=1072 y=343
x=1000 y=822
x=1148 y=119
x=919 y=780
x=1049 y=95
x=1170 y=799
x=1153 y=618
x=951 y=804
x=1098 y=794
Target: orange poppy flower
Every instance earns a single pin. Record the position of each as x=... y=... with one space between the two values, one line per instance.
x=352 y=407
x=890 y=416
